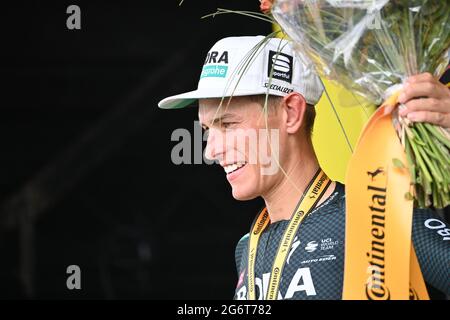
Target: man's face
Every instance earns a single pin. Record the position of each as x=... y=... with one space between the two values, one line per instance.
x=244 y=144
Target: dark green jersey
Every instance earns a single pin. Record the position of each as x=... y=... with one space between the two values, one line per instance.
x=315 y=265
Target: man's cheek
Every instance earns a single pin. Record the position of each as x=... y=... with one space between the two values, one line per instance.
x=269 y=147
x=242 y=145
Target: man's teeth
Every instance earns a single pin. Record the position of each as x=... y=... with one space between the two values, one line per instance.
x=233 y=167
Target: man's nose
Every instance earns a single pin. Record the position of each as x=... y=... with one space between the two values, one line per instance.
x=215 y=145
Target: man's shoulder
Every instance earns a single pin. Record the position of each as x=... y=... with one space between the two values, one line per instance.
x=334 y=203
x=242 y=243
x=240 y=250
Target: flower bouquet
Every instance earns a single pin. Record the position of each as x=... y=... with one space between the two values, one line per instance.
x=371 y=47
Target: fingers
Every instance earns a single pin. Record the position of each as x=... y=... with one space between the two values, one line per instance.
x=427 y=89
x=426 y=100
x=423 y=77
x=437 y=118
x=426 y=104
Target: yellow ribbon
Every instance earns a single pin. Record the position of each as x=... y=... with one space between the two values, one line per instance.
x=380 y=262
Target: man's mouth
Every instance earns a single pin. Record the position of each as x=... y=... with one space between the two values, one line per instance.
x=233 y=167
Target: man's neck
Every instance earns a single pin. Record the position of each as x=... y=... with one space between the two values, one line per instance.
x=283 y=199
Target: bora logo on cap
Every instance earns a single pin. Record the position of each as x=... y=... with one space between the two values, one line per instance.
x=214 y=65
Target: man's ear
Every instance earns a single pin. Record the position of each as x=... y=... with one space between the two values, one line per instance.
x=294 y=107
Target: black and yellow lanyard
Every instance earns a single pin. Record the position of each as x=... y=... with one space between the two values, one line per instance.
x=314 y=192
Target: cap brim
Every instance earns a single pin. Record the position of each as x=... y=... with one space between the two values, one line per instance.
x=189 y=98
x=182 y=100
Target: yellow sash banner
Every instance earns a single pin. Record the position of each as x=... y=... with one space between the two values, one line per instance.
x=380 y=262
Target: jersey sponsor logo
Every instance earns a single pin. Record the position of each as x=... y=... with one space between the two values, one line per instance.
x=280 y=64
x=325 y=244
x=301 y=282
x=327 y=257
x=441 y=227
x=328 y=244
x=294 y=247
x=311 y=246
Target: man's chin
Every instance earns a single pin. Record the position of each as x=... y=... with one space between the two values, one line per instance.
x=242 y=195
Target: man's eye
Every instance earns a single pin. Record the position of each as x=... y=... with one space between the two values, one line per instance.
x=227 y=124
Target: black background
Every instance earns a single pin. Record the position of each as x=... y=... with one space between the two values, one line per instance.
x=86 y=176
x=85 y=166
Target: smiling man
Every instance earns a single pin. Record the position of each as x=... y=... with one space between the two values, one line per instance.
x=295 y=249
